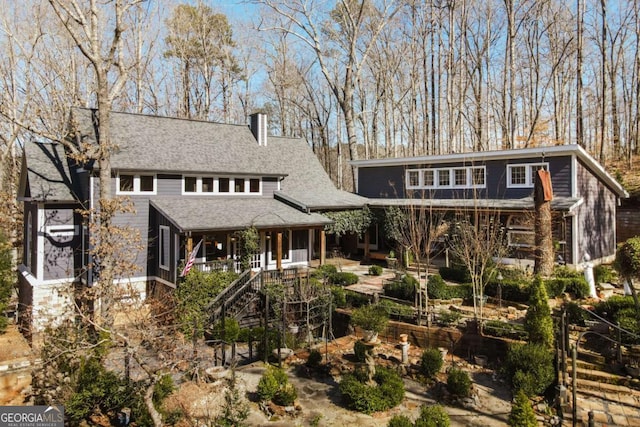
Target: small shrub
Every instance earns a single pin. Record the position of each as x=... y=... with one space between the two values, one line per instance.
x=522 y=414
x=604 y=274
x=324 y=271
x=576 y=315
x=361 y=397
x=458 y=274
x=163 y=388
x=513 y=290
x=268 y=385
x=314 y=359
x=612 y=305
x=529 y=367
x=397 y=310
x=274 y=386
x=286 y=395
x=339 y=296
x=628 y=320
x=430 y=362
x=344 y=278
x=356 y=299
x=498 y=328
x=400 y=421
x=433 y=416
x=227 y=330
x=459 y=383
x=360 y=350
x=578 y=287
x=448 y=318
x=375 y=270
x=370 y=317
x=436 y=287
x=404 y=289
x=566 y=272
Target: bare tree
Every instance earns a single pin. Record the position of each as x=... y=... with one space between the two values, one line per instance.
x=476 y=239
x=351 y=29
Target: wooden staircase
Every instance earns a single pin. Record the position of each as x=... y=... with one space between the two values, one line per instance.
x=242 y=299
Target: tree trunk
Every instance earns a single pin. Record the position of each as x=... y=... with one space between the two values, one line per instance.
x=156 y=417
x=543 y=240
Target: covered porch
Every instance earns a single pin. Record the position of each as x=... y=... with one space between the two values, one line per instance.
x=281 y=236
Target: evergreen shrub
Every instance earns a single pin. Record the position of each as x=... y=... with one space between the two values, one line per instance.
x=459 y=383
x=430 y=362
x=433 y=416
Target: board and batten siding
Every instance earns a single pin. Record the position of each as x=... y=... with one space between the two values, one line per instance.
x=389 y=181
x=156 y=219
x=596 y=217
x=62 y=232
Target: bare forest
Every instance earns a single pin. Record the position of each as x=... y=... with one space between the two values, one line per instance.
x=357 y=79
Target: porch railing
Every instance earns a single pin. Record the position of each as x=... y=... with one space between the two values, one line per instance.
x=218 y=265
x=245 y=285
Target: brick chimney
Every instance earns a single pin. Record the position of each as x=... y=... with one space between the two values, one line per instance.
x=259 y=127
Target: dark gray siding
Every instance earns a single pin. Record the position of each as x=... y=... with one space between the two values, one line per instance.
x=596 y=217
x=388 y=181
x=156 y=219
x=269 y=186
x=33 y=209
x=169 y=185
x=62 y=234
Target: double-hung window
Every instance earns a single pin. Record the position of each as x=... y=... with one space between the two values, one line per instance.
x=522 y=175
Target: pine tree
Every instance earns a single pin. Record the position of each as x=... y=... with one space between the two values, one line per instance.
x=538 y=322
x=522 y=414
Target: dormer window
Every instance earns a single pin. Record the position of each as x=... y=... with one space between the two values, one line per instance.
x=135 y=184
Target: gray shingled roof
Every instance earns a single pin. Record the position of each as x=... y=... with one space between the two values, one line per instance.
x=558 y=203
x=48 y=175
x=229 y=213
x=154 y=143
x=307 y=182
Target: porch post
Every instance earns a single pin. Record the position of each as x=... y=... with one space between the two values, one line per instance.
x=367 y=239
x=189 y=246
x=279 y=250
x=323 y=248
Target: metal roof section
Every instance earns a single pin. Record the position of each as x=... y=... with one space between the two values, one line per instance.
x=214 y=213
x=483 y=156
x=564 y=204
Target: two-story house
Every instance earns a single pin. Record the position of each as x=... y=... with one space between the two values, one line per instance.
x=500 y=183
x=189 y=181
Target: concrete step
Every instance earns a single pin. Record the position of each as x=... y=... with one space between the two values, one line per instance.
x=597 y=379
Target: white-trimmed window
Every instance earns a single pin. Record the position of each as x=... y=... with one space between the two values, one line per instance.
x=444 y=177
x=478 y=176
x=428 y=178
x=522 y=175
x=460 y=177
x=454 y=177
x=413 y=179
x=220 y=185
x=164 y=242
x=128 y=183
x=286 y=246
x=520 y=231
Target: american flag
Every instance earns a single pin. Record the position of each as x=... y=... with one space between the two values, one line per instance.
x=190 y=261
